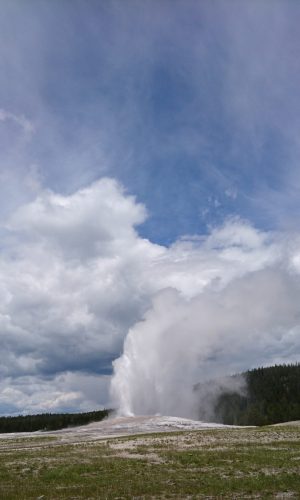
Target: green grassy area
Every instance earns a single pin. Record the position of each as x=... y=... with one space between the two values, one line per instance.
x=241 y=463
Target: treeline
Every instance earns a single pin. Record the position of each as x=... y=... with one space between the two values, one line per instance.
x=272 y=396
x=49 y=421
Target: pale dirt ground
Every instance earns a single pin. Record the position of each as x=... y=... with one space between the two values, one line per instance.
x=121 y=427
x=115 y=427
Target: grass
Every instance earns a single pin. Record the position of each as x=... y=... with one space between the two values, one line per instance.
x=237 y=463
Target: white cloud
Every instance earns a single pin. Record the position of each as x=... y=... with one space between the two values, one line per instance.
x=72 y=283
x=68 y=391
x=231 y=193
x=95 y=221
x=20 y=120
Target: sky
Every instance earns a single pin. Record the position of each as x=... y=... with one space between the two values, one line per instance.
x=149 y=157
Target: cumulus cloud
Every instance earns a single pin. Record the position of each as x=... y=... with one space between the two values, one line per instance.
x=71 y=282
x=95 y=221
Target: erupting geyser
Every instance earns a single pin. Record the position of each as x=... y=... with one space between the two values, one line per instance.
x=252 y=321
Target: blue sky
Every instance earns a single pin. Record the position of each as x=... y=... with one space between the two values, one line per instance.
x=193 y=106
x=189 y=108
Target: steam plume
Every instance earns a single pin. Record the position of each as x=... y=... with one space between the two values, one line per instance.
x=253 y=320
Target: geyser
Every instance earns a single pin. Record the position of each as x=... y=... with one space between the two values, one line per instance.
x=252 y=321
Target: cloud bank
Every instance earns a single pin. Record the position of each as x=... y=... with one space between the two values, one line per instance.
x=76 y=277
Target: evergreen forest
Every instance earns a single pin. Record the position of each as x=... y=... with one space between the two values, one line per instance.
x=49 y=421
x=272 y=395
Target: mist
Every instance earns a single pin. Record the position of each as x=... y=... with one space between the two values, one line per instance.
x=181 y=342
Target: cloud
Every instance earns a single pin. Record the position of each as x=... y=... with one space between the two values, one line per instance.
x=96 y=220
x=24 y=123
x=71 y=392
x=71 y=282
x=20 y=120
x=68 y=278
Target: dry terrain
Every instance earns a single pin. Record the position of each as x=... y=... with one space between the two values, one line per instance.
x=152 y=457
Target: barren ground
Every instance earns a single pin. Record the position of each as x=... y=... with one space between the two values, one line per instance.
x=152 y=457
